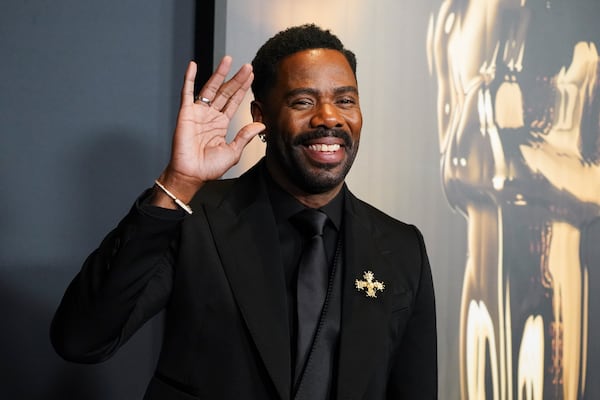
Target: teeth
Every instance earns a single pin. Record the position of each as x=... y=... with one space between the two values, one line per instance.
x=324 y=147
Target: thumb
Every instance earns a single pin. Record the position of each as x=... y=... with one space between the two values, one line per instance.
x=245 y=135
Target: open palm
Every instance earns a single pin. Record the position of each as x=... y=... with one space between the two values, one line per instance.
x=200 y=151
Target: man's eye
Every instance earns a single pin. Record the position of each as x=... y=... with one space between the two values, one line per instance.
x=347 y=101
x=301 y=103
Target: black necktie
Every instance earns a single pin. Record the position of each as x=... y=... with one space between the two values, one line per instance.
x=313 y=275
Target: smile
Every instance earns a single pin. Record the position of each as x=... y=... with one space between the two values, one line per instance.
x=325 y=148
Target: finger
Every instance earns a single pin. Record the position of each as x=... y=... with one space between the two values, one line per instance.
x=244 y=136
x=234 y=102
x=187 y=91
x=231 y=88
x=211 y=87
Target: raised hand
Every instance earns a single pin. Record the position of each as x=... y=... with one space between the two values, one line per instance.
x=200 y=152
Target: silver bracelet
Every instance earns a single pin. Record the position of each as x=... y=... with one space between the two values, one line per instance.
x=180 y=203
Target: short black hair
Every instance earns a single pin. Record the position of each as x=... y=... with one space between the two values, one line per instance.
x=286 y=43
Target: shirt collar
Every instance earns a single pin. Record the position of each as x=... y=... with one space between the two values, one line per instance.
x=285 y=205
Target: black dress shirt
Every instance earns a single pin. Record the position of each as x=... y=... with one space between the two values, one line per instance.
x=291 y=240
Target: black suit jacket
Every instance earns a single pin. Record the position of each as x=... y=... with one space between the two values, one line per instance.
x=219 y=275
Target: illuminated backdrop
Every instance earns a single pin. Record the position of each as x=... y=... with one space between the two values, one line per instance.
x=518 y=127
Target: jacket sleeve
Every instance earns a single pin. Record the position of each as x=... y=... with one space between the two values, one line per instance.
x=121 y=285
x=414 y=373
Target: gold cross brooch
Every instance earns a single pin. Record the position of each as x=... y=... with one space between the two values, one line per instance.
x=371 y=286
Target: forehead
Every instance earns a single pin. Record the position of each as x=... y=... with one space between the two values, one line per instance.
x=319 y=68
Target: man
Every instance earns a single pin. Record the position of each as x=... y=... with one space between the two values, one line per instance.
x=230 y=267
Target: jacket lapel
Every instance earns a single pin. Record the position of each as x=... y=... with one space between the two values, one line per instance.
x=365 y=319
x=245 y=233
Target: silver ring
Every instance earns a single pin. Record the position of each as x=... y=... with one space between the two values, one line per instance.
x=205 y=101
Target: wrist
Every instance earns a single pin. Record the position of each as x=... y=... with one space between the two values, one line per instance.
x=184 y=206
x=173 y=190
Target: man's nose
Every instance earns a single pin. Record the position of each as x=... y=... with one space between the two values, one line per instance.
x=326 y=115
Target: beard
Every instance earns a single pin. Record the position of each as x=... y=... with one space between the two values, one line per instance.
x=305 y=174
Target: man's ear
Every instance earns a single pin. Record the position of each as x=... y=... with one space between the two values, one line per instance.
x=256 y=109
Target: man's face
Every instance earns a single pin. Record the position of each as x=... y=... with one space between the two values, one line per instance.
x=313 y=121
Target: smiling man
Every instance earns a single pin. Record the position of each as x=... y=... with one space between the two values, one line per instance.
x=279 y=284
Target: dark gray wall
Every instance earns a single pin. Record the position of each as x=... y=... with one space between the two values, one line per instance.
x=88 y=96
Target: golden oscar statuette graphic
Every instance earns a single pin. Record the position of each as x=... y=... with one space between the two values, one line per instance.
x=518 y=124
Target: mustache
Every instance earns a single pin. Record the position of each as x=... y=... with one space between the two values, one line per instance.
x=319 y=133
